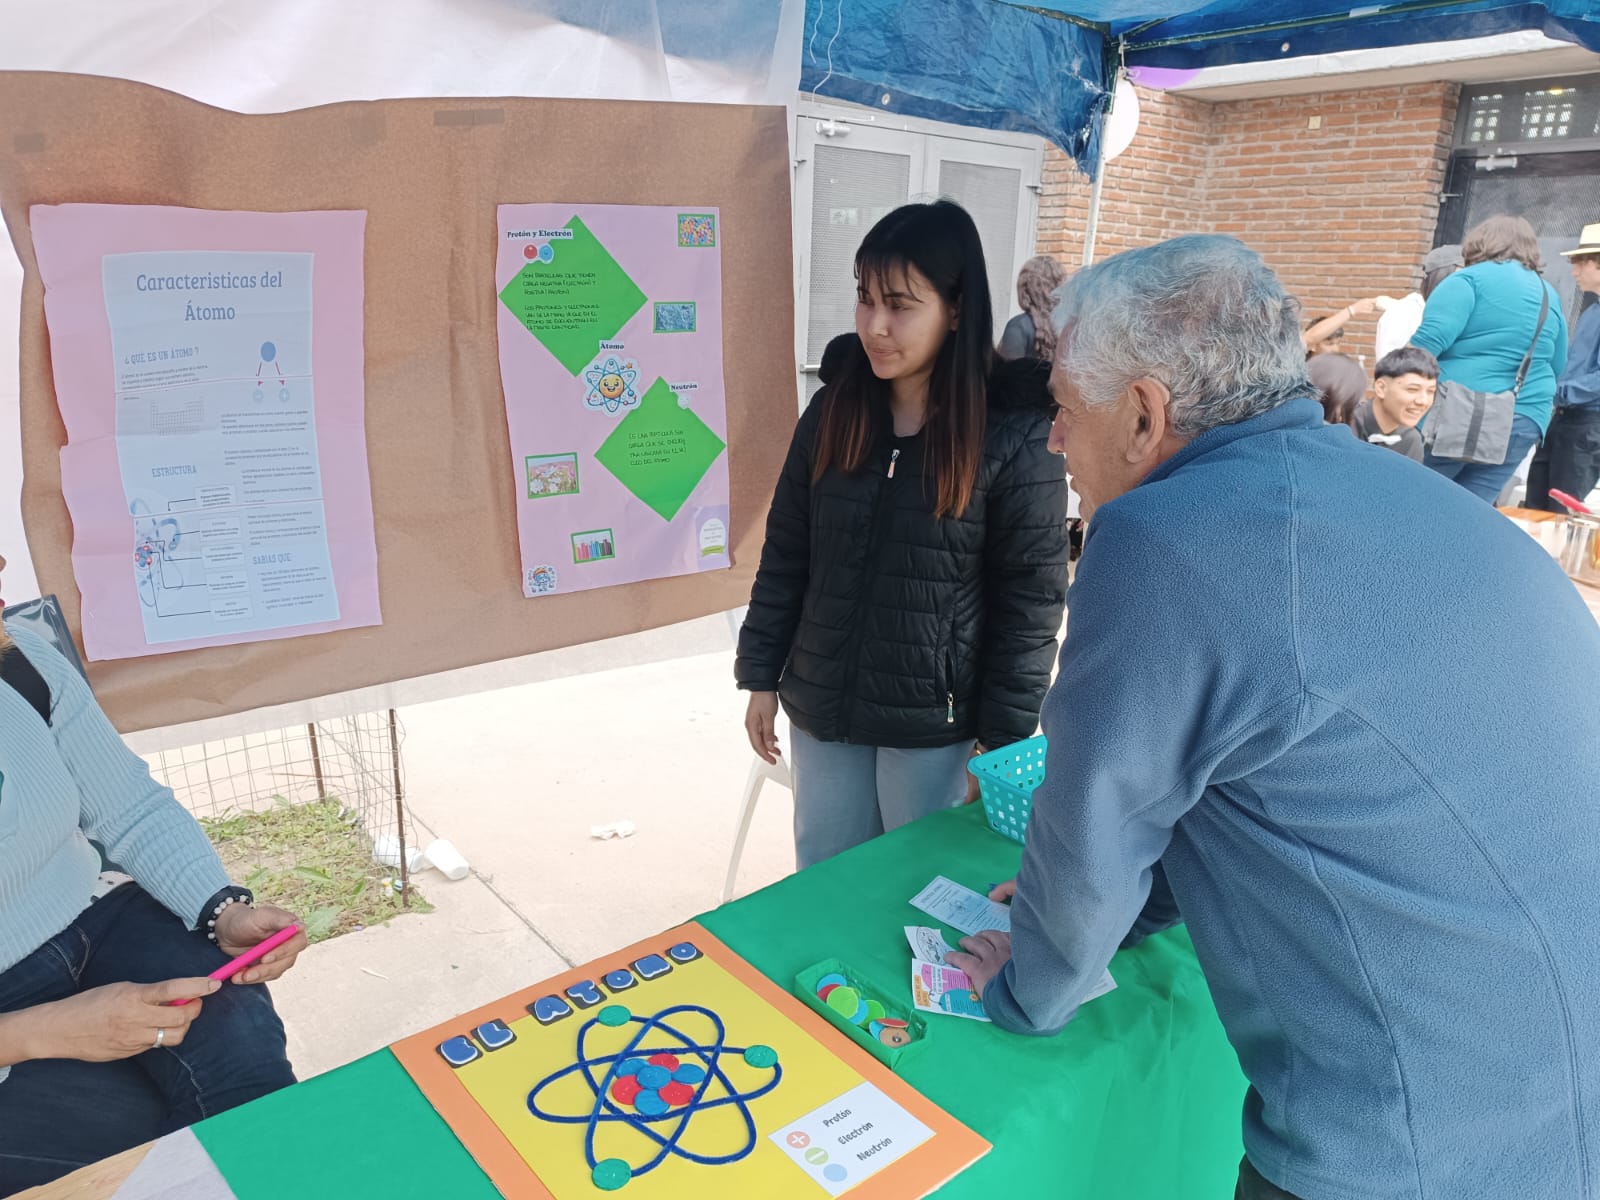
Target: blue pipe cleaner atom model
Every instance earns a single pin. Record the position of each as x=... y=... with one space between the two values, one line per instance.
x=655 y=1091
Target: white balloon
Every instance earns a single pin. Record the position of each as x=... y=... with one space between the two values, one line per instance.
x=1124 y=120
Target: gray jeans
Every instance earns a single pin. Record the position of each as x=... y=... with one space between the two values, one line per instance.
x=846 y=794
x=1253 y=1187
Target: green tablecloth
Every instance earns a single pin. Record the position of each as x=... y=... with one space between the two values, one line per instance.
x=1138 y=1098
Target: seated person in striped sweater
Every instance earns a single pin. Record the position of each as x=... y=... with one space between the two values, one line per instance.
x=94 y=1059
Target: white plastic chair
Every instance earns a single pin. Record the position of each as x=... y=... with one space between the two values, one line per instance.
x=760 y=772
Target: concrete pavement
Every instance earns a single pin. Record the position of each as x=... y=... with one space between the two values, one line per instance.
x=516 y=778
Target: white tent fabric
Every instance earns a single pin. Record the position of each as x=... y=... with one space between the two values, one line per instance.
x=255 y=57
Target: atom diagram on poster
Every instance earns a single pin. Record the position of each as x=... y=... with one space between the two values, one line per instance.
x=611 y=385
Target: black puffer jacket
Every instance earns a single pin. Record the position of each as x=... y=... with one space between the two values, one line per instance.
x=878 y=624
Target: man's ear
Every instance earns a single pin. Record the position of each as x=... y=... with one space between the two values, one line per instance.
x=1149 y=419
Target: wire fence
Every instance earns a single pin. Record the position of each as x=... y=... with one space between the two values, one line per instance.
x=311 y=817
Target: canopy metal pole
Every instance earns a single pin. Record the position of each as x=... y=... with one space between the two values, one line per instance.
x=1092 y=226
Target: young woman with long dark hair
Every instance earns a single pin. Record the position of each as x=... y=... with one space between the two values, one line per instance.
x=914 y=573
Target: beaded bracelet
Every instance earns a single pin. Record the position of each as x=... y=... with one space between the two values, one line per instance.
x=215 y=905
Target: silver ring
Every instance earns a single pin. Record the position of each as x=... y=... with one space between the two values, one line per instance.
x=161 y=1036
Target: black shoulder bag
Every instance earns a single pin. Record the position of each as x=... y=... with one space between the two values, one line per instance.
x=25 y=680
x=1475 y=427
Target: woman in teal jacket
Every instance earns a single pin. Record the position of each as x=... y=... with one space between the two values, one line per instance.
x=1479 y=323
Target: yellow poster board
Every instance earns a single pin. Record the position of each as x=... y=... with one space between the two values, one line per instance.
x=673 y=1070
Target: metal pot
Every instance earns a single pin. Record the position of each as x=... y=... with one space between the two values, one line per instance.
x=1580 y=556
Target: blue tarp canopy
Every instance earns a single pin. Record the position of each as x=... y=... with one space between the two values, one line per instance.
x=1047 y=67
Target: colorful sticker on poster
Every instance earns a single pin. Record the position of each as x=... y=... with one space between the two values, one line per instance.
x=610 y=329
x=208 y=368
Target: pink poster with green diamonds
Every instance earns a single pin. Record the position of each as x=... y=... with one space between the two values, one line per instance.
x=610 y=324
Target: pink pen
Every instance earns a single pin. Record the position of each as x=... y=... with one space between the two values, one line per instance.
x=222 y=973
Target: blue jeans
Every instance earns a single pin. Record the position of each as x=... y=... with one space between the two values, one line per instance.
x=57 y=1115
x=846 y=794
x=1488 y=480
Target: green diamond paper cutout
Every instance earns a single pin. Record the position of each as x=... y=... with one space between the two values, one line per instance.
x=660 y=452
x=577 y=300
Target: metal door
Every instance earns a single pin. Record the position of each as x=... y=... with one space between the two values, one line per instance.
x=1557 y=193
x=850 y=171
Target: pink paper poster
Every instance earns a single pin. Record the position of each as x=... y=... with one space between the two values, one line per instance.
x=208 y=368
x=610 y=329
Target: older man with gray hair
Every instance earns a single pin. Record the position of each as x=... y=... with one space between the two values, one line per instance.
x=1301 y=703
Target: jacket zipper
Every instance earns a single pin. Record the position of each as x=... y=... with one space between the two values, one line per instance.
x=950 y=675
x=869 y=576
x=947 y=637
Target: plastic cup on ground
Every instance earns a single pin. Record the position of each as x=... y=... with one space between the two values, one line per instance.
x=446 y=859
x=386 y=852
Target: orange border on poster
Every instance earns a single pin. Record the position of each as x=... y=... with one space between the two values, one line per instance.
x=951 y=1150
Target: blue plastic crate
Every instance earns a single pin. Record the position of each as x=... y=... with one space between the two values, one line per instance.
x=1006 y=779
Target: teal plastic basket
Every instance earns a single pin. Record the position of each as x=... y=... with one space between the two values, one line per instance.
x=1006 y=779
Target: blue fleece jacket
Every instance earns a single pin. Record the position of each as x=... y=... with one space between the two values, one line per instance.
x=1352 y=715
x=1479 y=323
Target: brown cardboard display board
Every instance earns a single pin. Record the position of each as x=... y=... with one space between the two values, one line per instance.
x=429 y=174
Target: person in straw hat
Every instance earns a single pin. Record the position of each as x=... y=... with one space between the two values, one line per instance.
x=1569 y=460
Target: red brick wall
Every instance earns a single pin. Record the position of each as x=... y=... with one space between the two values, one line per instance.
x=1340 y=212
x=1153 y=190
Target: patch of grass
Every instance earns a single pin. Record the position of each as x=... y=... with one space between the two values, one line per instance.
x=312 y=859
